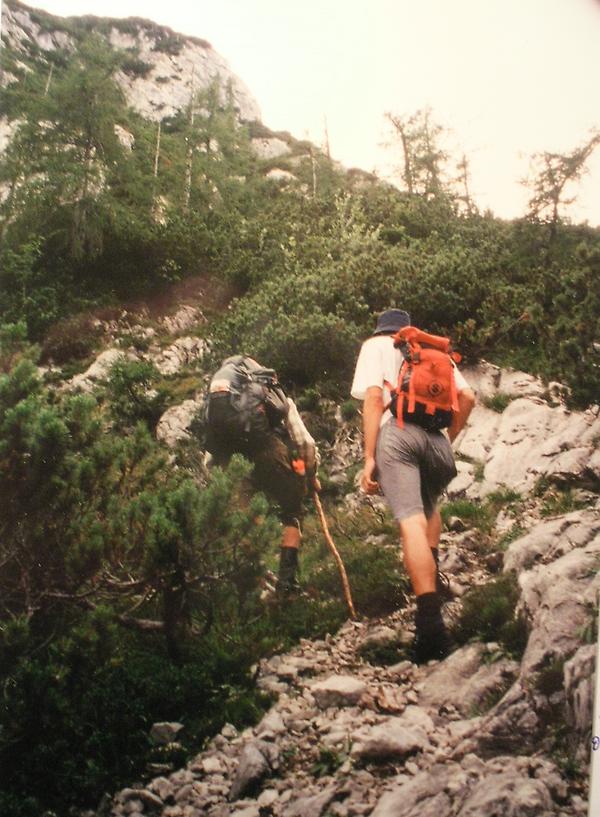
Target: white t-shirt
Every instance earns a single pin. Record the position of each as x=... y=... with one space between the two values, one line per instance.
x=379 y=361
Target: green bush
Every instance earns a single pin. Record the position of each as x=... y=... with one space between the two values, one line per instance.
x=349 y=410
x=72 y=339
x=132 y=395
x=375 y=573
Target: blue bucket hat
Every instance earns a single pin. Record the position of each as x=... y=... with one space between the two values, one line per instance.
x=390 y=321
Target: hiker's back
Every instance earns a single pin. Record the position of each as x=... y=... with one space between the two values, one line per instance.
x=244 y=405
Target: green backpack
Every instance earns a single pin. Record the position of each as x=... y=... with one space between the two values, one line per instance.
x=243 y=405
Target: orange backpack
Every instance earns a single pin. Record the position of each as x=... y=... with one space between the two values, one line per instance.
x=426 y=390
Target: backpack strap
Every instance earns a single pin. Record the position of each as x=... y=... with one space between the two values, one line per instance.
x=453 y=390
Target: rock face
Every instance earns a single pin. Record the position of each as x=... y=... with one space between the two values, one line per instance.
x=557 y=594
x=533 y=437
x=173 y=62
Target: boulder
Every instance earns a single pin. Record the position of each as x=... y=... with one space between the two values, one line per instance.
x=465 y=681
x=98 y=372
x=395 y=737
x=257 y=760
x=270 y=148
x=175 y=423
x=183 y=320
x=509 y=795
x=165 y=732
x=338 y=690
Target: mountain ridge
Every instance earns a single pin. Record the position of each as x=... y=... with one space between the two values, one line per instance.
x=170 y=65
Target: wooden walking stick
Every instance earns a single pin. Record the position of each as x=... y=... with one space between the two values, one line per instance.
x=336 y=556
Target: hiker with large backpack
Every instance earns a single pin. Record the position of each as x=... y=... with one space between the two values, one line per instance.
x=247 y=412
x=416 y=402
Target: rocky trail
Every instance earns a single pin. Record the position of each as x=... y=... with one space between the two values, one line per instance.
x=479 y=733
x=350 y=736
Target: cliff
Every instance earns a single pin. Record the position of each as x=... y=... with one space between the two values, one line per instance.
x=164 y=69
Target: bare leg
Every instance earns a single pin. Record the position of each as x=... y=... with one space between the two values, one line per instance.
x=288 y=559
x=418 y=560
x=431 y=638
x=434 y=529
x=291 y=537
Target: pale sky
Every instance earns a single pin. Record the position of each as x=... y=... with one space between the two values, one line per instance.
x=508 y=78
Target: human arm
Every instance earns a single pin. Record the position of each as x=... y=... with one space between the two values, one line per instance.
x=466 y=401
x=372 y=412
x=302 y=440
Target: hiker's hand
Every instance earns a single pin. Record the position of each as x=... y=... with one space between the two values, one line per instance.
x=316 y=483
x=367 y=479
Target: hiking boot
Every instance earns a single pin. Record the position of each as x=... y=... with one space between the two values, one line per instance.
x=287 y=583
x=432 y=641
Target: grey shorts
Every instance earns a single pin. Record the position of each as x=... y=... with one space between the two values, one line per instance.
x=414 y=466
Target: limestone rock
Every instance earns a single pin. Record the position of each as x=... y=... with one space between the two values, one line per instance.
x=483 y=378
x=465 y=680
x=183 y=320
x=395 y=737
x=338 y=690
x=479 y=436
x=272 y=724
x=555 y=599
x=175 y=423
x=256 y=762
x=507 y=794
x=550 y=540
x=165 y=732
x=279 y=175
x=424 y=795
x=315 y=805
x=579 y=688
x=379 y=636
x=98 y=372
x=184 y=352
x=270 y=148
x=520 y=384
x=511 y=726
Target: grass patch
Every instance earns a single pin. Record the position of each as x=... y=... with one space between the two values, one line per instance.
x=497 y=402
x=488 y=614
x=512 y=534
x=329 y=761
x=382 y=655
x=551 y=678
x=482 y=514
x=474 y=514
x=559 y=501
